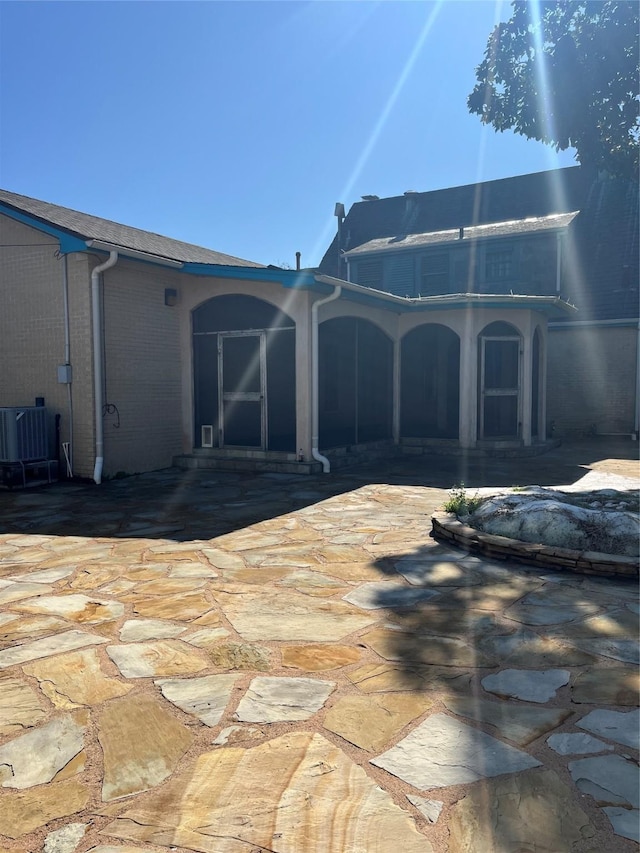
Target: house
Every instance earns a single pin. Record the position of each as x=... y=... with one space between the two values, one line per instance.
x=151 y=352
x=564 y=232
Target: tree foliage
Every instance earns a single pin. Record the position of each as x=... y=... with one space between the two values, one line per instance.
x=566 y=72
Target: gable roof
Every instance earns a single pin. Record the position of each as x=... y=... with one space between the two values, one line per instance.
x=602 y=257
x=88 y=227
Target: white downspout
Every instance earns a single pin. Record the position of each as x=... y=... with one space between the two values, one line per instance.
x=326 y=465
x=636 y=422
x=98 y=378
x=67 y=358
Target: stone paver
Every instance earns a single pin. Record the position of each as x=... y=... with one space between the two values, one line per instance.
x=20 y=706
x=518 y=723
x=620 y=726
x=225 y=662
x=442 y=751
x=141 y=742
x=576 y=743
x=38 y=756
x=272 y=700
x=429 y=808
x=76 y=678
x=205 y=697
x=534 y=810
x=529 y=685
x=65 y=840
x=611 y=779
x=370 y=722
x=223 y=805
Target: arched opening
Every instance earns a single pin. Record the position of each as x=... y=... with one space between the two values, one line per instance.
x=430 y=383
x=355 y=374
x=244 y=375
x=499 y=382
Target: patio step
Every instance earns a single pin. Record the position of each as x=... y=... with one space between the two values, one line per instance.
x=261 y=464
x=493 y=450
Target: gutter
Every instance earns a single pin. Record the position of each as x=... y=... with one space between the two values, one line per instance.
x=315 y=453
x=98 y=373
x=124 y=252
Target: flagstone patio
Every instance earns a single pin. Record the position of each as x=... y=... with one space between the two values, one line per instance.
x=228 y=663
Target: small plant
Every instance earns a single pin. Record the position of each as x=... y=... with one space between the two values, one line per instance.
x=460 y=503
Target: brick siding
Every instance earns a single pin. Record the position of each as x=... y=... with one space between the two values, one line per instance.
x=591 y=380
x=142 y=369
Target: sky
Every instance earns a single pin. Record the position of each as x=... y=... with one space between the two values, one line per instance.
x=238 y=125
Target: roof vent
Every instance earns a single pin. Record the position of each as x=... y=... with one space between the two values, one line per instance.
x=370 y=197
x=411 y=192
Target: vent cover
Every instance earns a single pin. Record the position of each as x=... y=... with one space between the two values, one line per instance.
x=23 y=434
x=206 y=435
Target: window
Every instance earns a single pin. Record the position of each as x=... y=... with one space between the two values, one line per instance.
x=434 y=274
x=369 y=274
x=498 y=265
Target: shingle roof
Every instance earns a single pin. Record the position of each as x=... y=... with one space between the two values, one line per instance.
x=602 y=271
x=530 y=225
x=89 y=227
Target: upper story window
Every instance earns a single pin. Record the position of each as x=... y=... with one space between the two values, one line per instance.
x=498 y=265
x=434 y=274
x=369 y=274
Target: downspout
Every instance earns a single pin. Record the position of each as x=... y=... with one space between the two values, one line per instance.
x=67 y=356
x=558 y=261
x=636 y=423
x=326 y=465
x=98 y=377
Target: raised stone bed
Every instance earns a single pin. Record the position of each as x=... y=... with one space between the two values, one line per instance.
x=447 y=527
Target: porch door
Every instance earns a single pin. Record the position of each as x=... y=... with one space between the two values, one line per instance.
x=500 y=382
x=242 y=389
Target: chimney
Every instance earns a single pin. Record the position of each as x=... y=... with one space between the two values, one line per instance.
x=461 y=234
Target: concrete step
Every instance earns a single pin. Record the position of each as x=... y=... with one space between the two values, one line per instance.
x=493 y=450
x=228 y=462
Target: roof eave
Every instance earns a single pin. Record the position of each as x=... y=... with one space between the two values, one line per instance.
x=133 y=254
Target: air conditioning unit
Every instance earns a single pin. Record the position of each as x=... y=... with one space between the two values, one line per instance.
x=24 y=434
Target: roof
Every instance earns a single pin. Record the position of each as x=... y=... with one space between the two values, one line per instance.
x=601 y=269
x=88 y=227
x=530 y=225
x=553 y=306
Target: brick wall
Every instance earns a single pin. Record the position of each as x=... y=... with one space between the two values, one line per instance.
x=32 y=330
x=142 y=369
x=591 y=380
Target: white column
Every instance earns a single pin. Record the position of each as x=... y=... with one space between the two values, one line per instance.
x=526 y=383
x=303 y=378
x=469 y=382
x=396 y=390
x=542 y=384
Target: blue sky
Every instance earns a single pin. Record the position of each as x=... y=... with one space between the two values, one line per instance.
x=238 y=125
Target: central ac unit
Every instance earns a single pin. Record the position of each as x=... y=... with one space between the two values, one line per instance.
x=24 y=434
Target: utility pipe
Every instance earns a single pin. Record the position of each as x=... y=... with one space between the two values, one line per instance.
x=636 y=421
x=67 y=354
x=98 y=376
x=315 y=453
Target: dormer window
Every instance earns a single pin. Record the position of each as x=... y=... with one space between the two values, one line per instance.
x=498 y=265
x=434 y=274
x=369 y=274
